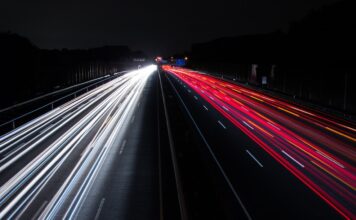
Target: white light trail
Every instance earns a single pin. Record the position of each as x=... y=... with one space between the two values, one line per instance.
x=108 y=107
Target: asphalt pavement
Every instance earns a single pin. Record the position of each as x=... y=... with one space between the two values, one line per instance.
x=238 y=154
x=262 y=186
x=94 y=157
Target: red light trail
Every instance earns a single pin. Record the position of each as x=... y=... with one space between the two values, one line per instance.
x=316 y=148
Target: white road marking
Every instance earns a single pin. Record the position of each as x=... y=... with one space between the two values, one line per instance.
x=222 y=125
x=9 y=154
x=122 y=146
x=248 y=125
x=46 y=129
x=331 y=159
x=99 y=209
x=245 y=109
x=254 y=158
x=297 y=162
x=196 y=97
x=132 y=119
x=225 y=108
x=274 y=126
x=39 y=210
x=66 y=116
x=213 y=155
x=205 y=107
x=83 y=152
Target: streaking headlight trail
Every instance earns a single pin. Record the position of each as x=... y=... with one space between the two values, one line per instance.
x=85 y=129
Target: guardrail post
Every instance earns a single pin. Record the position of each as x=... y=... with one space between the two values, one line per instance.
x=13 y=124
x=52 y=106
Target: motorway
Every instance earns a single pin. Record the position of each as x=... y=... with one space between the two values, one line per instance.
x=65 y=163
x=99 y=156
x=281 y=160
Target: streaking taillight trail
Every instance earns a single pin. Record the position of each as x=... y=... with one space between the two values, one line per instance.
x=317 y=149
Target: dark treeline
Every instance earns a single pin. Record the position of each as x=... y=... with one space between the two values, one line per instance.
x=313 y=60
x=27 y=71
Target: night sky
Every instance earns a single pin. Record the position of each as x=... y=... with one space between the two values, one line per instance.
x=157 y=27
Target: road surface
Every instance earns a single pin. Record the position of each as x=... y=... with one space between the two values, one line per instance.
x=93 y=157
x=281 y=160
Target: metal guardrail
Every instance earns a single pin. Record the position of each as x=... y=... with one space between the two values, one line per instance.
x=99 y=80
x=292 y=98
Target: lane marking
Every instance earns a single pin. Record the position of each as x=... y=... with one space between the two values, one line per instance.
x=297 y=162
x=254 y=158
x=88 y=181
x=132 y=119
x=66 y=116
x=225 y=108
x=331 y=159
x=99 y=209
x=261 y=129
x=222 y=125
x=245 y=109
x=39 y=210
x=5 y=156
x=46 y=129
x=189 y=91
x=196 y=97
x=248 y=125
x=274 y=126
x=213 y=155
x=83 y=152
x=205 y=107
x=122 y=146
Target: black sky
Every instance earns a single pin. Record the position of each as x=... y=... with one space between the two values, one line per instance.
x=157 y=27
